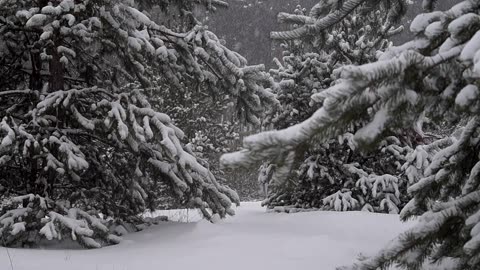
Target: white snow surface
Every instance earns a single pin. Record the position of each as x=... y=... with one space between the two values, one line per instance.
x=253 y=239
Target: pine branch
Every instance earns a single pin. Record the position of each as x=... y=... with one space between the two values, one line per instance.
x=321 y=24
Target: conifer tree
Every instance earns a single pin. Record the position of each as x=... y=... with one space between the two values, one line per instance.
x=81 y=136
x=331 y=174
x=434 y=75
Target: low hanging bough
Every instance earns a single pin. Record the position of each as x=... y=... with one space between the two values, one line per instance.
x=120 y=130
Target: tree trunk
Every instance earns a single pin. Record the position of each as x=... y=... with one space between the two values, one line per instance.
x=56 y=81
x=36 y=76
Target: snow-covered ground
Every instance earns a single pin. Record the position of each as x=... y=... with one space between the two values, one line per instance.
x=251 y=240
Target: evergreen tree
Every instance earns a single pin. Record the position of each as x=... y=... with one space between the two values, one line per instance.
x=332 y=175
x=434 y=75
x=81 y=135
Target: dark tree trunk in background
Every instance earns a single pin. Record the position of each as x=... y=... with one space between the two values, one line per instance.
x=56 y=81
x=35 y=82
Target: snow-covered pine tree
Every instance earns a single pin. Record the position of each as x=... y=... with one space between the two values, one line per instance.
x=437 y=74
x=79 y=138
x=331 y=175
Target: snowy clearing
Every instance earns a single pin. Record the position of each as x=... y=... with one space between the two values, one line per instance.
x=253 y=239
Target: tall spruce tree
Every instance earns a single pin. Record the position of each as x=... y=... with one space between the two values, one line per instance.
x=81 y=136
x=437 y=74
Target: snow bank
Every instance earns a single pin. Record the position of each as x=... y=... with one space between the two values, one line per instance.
x=253 y=239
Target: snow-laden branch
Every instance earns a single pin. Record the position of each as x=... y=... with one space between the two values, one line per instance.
x=338 y=102
x=327 y=15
